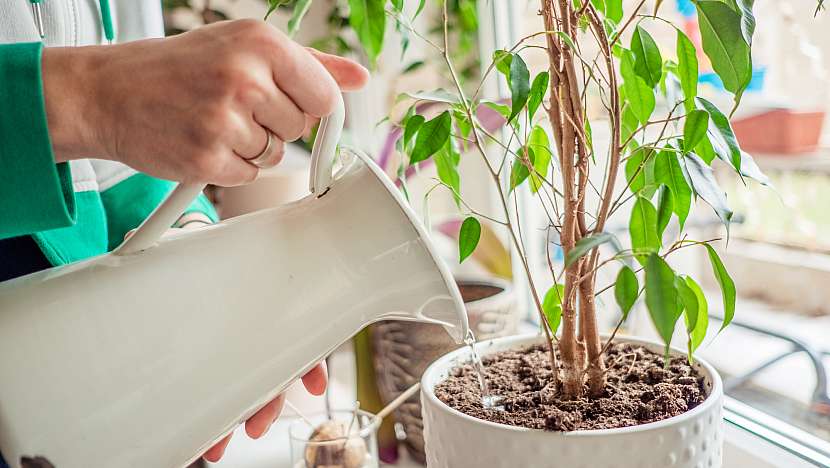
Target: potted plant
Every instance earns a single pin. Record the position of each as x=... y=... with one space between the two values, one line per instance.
x=569 y=394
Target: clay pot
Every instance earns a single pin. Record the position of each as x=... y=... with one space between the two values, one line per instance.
x=456 y=440
x=780 y=132
x=403 y=350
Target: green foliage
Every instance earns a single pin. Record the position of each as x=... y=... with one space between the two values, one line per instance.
x=721 y=135
x=723 y=32
x=368 y=19
x=300 y=9
x=648 y=64
x=667 y=171
x=662 y=299
x=519 y=85
x=468 y=237
x=687 y=68
x=639 y=94
x=706 y=187
x=642 y=227
x=552 y=306
x=520 y=172
x=446 y=164
x=727 y=286
x=540 y=145
x=694 y=129
x=586 y=244
x=432 y=135
x=626 y=290
x=537 y=93
x=665 y=207
x=697 y=321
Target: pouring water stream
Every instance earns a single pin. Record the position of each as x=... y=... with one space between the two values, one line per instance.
x=488 y=401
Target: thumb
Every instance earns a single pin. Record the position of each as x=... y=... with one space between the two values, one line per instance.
x=348 y=74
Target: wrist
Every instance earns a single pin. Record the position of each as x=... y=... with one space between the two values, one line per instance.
x=69 y=95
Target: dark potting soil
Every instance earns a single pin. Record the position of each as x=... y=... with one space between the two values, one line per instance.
x=639 y=390
x=473 y=292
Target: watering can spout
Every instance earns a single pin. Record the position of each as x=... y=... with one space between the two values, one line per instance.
x=447 y=310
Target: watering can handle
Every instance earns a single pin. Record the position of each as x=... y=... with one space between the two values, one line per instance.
x=322 y=163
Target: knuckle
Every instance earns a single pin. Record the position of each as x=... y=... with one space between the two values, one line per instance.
x=326 y=101
x=295 y=126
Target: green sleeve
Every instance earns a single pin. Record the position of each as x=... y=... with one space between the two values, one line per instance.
x=35 y=193
x=129 y=202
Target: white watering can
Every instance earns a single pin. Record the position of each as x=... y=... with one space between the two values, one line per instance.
x=146 y=356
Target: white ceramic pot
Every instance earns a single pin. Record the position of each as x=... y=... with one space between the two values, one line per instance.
x=455 y=440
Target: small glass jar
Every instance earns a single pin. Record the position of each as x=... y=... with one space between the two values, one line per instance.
x=357 y=450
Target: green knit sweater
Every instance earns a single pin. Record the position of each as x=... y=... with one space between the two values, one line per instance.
x=69 y=222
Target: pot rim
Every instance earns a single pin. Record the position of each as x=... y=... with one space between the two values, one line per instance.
x=442 y=363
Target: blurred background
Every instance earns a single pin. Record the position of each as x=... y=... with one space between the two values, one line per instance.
x=775 y=356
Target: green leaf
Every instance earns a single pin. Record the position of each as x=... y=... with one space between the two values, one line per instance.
x=724 y=44
x=750 y=169
x=468 y=237
x=519 y=85
x=706 y=187
x=586 y=244
x=368 y=20
x=432 y=135
x=412 y=125
x=688 y=299
x=420 y=8
x=502 y=109
x=640 y=169
x=643 y=229
x=626 y=290
x=520 y=171
x=567 y=40
x=502 y=59
x=640 y=95
x=273 y=5
x=727 y=286
x=665 y=208
x=648 y=64
x=552 y=306
x=744 y=8
x=614 y=10
x=446 y=164
x=300 y=9
x=662 y=298
x=540 y=145
x=687 y=69
x=630 y=123
x=722 y=136
x=667 y=171
x=697 y=327
x=694 y=129
x=705 y=150
x=537 y=93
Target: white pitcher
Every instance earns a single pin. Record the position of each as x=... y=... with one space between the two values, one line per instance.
x=146 y=356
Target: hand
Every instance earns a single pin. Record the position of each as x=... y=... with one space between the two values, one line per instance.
x=191 y=107
x=315 y=382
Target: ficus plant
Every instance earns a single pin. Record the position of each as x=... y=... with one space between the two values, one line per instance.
x=664 y=140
